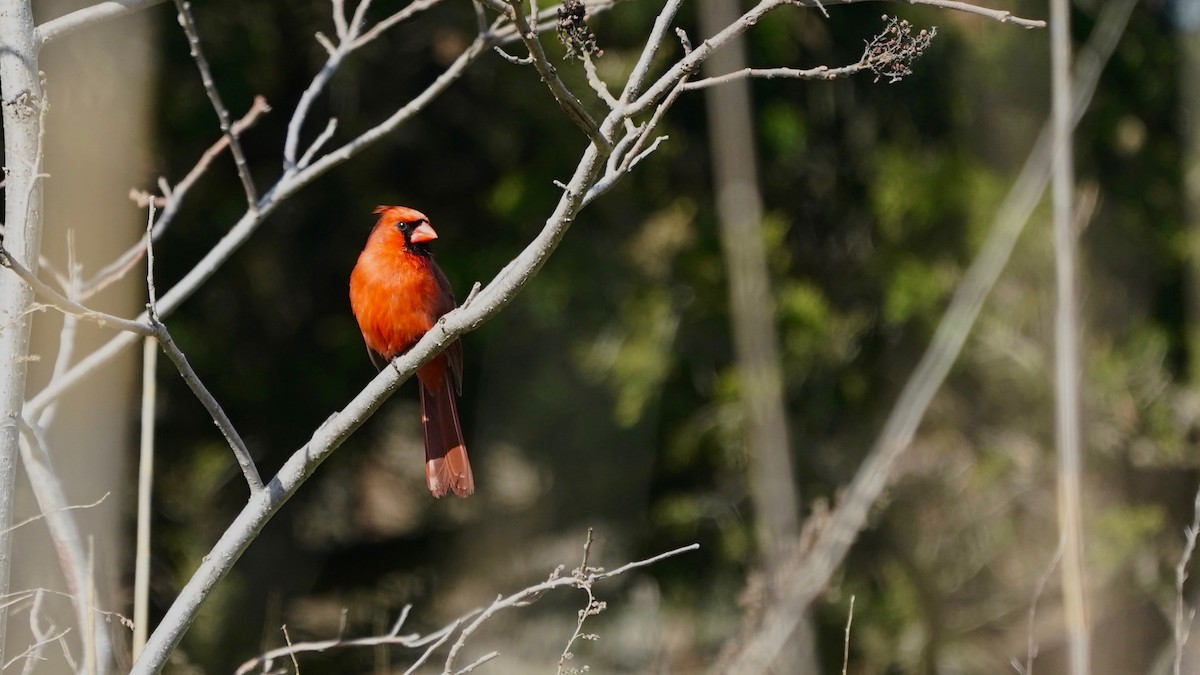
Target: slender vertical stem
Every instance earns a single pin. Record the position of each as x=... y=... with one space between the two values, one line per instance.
x=1067 y=368
x=141 y=575
x=21 y=98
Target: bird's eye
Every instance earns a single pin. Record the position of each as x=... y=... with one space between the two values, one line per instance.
x=403 y=227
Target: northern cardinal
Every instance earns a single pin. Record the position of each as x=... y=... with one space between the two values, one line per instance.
x=398 y=293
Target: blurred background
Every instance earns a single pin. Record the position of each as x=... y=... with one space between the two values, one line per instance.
x=608 y=395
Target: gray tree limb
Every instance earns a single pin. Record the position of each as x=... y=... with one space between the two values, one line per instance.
x=21 y=100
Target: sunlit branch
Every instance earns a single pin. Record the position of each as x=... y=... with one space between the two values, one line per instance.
x=82 y=18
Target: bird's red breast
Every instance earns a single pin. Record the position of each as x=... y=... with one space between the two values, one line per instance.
x=397 y=294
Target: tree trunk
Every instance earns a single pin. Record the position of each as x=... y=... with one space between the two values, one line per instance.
x=21 y=96
x=752 y=311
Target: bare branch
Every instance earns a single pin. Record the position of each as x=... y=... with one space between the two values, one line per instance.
x=173 y=199
x=173 y=352
x=477 y=662
x=593 y=77
x=33 y=652
x=1001 y=15
x=69 y=330
x=592 y=608
x=818 y=73
x=435 y=645
x=691 y=62
x=41 y=636
x=348 y=41
x=339 y=20
x=244 y=460
x=846 y=644
x=566 y=100
x=145 y=483
x=399 y=17
x=1031 y=648
x=34 y=519
x=318 y=143
x=74 y=560
x=584 y=578
x=210 y=87
x=392 y=637
x=657 y=34
x=82 y=18
x=513 y=59
x=66 y=306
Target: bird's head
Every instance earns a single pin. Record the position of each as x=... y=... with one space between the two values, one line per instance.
x=410 y=224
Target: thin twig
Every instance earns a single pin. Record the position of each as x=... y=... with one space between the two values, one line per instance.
x=33 y=652
x=172 y=200
x=1001 y=15
x=173 y=352
x=598 y=85
x=443 y=637
x=41 y=636
x=141 y=572
x=34 y=519
x=392 y=637
x=240 y=452
x=91 y=657
x=403 y=15
x=521 y=598
x=73 y=558
x=28 y=594
x=57 y=301
x=145 y=480
x=288 y=639
x=318 y=143
x=818 y=73
x=846 y=642
x=566 y=99
x=477 y=662
x=1031 y=647
x=662 y=23
x=69 y=330
x=210 y=87
x=590 y=609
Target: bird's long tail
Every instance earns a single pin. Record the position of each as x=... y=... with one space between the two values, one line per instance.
x=446 y=466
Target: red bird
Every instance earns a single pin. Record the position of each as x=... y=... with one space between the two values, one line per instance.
x=398 y=293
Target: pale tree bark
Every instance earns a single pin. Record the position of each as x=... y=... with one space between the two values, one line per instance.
x=20 y=98
x=1067 y=370
x=98 y=86
x=752 y=311
x=751 y=304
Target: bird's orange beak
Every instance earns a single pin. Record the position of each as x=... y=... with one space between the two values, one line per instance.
x=424 y=232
